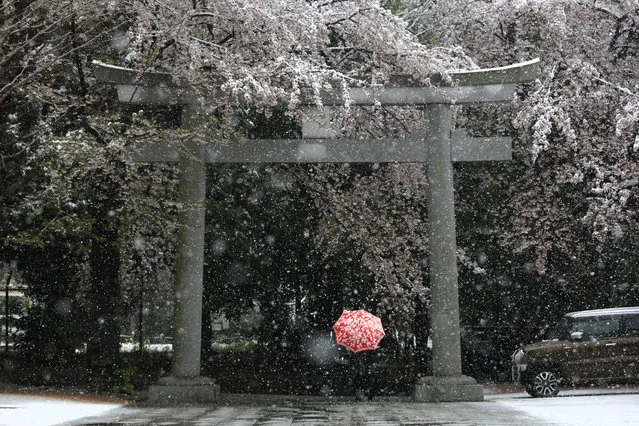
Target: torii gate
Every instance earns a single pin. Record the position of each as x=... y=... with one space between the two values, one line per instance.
x=437 y=146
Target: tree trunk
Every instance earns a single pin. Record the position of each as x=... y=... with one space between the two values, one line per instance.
x=103 y=347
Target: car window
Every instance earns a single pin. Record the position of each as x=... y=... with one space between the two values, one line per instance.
x=561 y=331
x=597 y=326
x=631 y=325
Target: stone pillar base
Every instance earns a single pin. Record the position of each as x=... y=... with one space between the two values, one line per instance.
x=447 y=389
x=180 y=390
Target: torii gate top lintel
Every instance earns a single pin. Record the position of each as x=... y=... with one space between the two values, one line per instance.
x=469 y=86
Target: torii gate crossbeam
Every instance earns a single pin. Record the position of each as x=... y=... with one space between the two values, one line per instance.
x=437 y=146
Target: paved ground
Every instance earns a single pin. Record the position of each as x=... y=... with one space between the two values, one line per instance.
x=315 y=411
x=503 y=406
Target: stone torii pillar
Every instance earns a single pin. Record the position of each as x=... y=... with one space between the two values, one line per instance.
x=437 y=146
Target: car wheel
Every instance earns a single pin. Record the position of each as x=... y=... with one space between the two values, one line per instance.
x=544 y=383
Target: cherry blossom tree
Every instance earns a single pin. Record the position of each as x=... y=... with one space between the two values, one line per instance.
x=42 y=47
x=64 y=190
x=577 y=124
x=261 y=54
x=241 y=55
x=570 y=191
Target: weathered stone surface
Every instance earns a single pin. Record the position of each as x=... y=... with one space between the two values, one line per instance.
x=447 y=389
x=179 y=390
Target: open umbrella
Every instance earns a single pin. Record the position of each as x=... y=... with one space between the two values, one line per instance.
x=358 y=330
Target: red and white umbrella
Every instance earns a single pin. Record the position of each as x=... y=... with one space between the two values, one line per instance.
x=358 y=330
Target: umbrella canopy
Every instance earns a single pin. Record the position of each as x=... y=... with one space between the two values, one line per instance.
x=358 y=330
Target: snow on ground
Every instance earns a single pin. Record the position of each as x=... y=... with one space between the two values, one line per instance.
x=26 y=410
x=580 y=407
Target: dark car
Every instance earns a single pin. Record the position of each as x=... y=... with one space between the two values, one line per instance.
x=596 y=346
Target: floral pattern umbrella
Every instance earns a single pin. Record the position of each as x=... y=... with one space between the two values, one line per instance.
x=358 y=330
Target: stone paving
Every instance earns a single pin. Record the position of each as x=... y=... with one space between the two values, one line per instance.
x=237 y=410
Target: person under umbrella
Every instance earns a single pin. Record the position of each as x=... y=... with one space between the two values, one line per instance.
x=360 y=332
